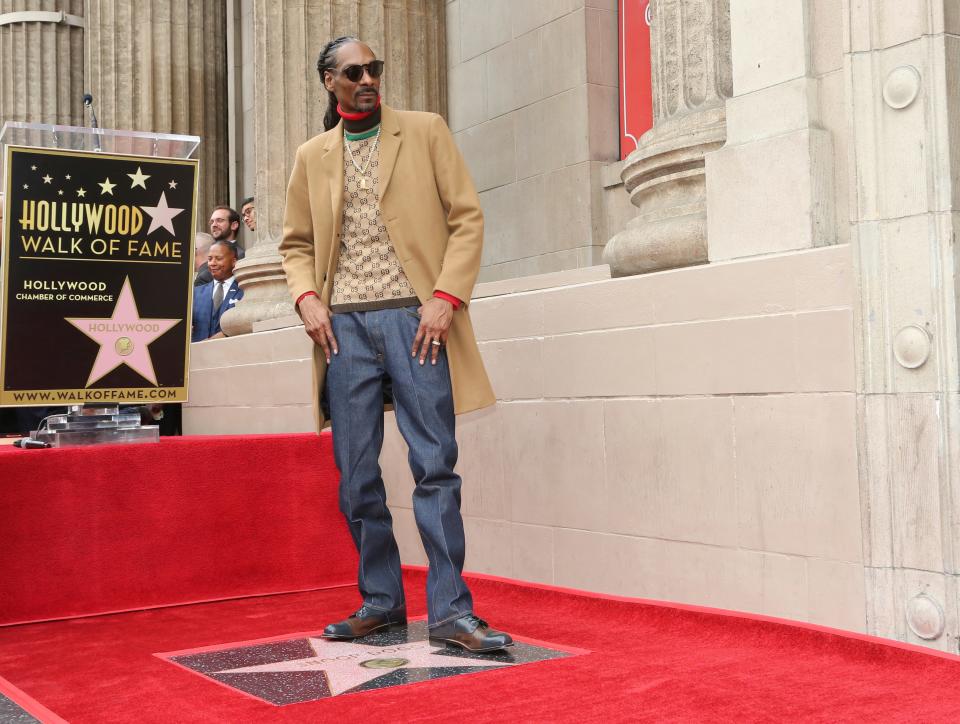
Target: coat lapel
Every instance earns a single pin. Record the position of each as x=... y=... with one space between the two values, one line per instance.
x=389 y=147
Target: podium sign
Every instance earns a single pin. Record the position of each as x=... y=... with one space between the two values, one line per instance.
x=97 y=276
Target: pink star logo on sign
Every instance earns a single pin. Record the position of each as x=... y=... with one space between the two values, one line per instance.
x=123 y=337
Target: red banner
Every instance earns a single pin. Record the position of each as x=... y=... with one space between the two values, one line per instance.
x=636 y=91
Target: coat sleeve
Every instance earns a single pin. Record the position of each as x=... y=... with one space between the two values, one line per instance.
x=297 y=244
x=461 y=261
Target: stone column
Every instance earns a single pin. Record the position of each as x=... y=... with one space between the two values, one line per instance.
x=161 y=66
x=903 y=80
x=41 y=62
x=690 y=48
x=288 y=38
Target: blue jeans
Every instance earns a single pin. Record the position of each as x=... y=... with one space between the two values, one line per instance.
x=374 y=347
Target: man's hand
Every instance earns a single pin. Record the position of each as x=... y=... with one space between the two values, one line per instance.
x=436 y=316
x=316 y=321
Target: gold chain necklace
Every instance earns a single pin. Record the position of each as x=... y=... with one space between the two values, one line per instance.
x=363 y=171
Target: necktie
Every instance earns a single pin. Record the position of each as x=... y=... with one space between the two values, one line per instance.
x=217 y=297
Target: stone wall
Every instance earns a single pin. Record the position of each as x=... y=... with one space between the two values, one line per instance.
x=687 y=435
x=533 y=106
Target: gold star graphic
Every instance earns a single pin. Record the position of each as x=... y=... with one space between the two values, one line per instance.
x=172 y=184
x=47 y=179
x=81 y=192
x=59 y=192
x=26 y=186
x=106 y=187
x=68 y=177
x=138 y=178
x=33 y=168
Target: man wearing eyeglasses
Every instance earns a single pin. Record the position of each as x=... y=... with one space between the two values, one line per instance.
x=381 y=246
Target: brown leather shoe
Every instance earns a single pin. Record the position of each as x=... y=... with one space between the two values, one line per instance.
x=471 y=633
x=363 y=622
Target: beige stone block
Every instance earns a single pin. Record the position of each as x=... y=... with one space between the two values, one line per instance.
x=529 y=70
x=467 y=93
x=788 y=106
x=580 y=560
x=515 y=368
x=524 y=461
x=489 y=546
x=750 y=355
x=564 y=53
x=502 y=80
x=273 y=384
x=531 y=238
x=773 y=34
x=833 y=117
x=897 y=23
x=484 y=24
x=566 y=278
x=836 y=594
x=715 y=291
x=452 y=19
x=567 y=210
x=882 y=616
x=600 y=364
x=251 y=349
x=602 y=39
x=908 y=585
x=624 y=302
x=825 y=360
x=566 y=128
x=788 y=211
x=784 y=587
x=240 y=420
x=633 y=458
x=798 y=484
x=408 y=537
x=533 y=148
x=508 y=317
x=915 y=455
x=827 y=35
x=603 y=106
x=823 y=277
x=905 y=173
x=698 y=489
x=501 y=208
x=533 y=553
x=484 y=492
x=635 y=566
x=488 y=151
x=553 y=463
x=530 y=15
x=711 y=576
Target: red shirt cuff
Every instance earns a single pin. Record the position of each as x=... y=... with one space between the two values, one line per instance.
x=304 y=296
x=448 y=297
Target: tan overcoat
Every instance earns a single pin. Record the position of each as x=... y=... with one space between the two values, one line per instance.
x=432 y=213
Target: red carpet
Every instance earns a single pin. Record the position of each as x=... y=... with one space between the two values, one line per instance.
x=649 y=662
x=120 y=527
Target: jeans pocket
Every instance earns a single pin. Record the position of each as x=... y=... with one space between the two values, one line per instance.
x=412 y=312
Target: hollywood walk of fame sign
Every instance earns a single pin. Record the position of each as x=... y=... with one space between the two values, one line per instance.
x=309 y=668
x=97 y=277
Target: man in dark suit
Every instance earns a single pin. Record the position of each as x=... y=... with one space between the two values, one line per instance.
x=211 y=300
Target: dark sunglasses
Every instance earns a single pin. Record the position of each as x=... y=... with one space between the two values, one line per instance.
x=355 y=72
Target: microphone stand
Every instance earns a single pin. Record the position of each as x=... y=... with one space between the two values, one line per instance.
x=88 y=102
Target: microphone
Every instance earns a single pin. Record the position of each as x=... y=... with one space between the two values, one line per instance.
x=88 y=102
x=28 y=443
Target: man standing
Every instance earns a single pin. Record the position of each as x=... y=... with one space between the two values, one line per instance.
x=225 y=226
x=248 y=212
x=381 y=247
x=211 y=300
x=202 y=241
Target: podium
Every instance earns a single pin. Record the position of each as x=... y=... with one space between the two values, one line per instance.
x=96 y=275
